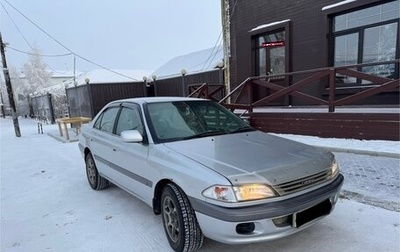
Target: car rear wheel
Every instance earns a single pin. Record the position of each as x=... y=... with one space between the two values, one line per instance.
x=96 y=181
x=179 y=220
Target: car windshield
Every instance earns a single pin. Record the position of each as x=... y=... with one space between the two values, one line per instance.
x=182 y=120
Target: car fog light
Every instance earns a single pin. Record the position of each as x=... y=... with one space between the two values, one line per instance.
x=283 y=221
x=245 y=228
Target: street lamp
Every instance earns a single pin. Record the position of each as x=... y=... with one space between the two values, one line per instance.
x=155 y=86
x=78 y=105
x=183 y=73
x=145 y=86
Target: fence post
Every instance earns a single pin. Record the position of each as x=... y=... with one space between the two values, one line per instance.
x=40 y=128
x=52 y=116
x=332 y=78
x=250 y=92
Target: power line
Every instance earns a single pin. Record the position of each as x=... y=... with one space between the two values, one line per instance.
x=16 y=26
x=37 y=26
x=218 y=48
x=233 y=10
x=108 y=69
x=218 y=42
x=66 y=48
x=42 y=55
x=211 y=53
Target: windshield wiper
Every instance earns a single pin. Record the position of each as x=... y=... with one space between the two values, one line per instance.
x=206 y=134
x=243 y=129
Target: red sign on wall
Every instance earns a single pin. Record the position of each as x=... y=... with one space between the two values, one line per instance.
x=273 y=44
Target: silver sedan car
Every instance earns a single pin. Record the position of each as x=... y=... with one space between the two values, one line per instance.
x=207 y=172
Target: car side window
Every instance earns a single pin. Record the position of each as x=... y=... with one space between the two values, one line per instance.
x=98 y=121
x=106 y=120
x=129 y=119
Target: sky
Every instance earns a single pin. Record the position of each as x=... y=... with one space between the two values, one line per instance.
x=132 y=34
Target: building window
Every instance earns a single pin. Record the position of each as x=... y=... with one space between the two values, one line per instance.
x=368 y=35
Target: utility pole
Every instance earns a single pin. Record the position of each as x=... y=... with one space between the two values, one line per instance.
x=2 y=104
x=225 y=13
x=9 y=89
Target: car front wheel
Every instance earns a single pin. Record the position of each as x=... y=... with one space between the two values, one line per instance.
x=96 y=181
x=179 y=220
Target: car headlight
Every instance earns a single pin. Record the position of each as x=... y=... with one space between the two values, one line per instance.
x=245 y=192
x=334 y=169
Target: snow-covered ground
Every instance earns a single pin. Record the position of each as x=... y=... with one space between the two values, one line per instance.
x=371 y=147
x=47 y=205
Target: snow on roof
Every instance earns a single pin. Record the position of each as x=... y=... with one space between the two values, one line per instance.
x=64 y=73
x=337 y=4
x=102 y=76
x=269 y=24
x=195 y=62
x=57 y=90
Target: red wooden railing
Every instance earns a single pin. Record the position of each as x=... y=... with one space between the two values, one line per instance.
x=242 y=96
x=209 y=91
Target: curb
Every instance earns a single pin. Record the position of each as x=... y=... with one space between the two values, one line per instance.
x=361 y=152
x=385 y=204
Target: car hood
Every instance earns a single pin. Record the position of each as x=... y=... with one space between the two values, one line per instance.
x=255 y=157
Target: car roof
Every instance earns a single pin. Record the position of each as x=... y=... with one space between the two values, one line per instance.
x=142 y=100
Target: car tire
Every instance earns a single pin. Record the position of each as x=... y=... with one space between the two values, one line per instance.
x=179 y=220
x=96 y=181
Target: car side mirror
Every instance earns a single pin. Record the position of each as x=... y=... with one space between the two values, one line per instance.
x=131 y=136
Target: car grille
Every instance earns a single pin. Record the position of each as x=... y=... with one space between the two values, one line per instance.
x=303 y=183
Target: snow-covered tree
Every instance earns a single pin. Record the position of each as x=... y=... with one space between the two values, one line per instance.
x=20 y=89
x=35 y=71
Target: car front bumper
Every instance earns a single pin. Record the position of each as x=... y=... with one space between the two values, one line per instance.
x=267 y=221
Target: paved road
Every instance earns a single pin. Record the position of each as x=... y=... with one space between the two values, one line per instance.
x=371 y=179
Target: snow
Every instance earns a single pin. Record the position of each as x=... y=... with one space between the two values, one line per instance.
x=58 y=90
x=195 y=62
x=101 y=76
x=63 y=73
x=337 y=4
x=373 y=147
x=47 y=205
x=269 y=24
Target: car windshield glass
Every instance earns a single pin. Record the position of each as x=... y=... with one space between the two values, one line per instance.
x=181 y=120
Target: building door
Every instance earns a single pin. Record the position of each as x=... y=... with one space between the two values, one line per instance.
x=271 y=60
